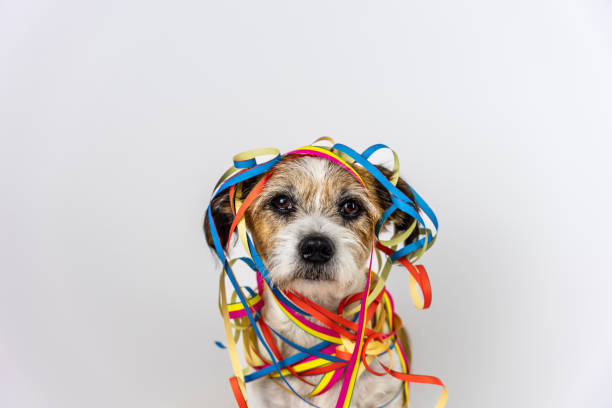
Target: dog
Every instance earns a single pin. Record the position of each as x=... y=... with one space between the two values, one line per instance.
x=313 y=225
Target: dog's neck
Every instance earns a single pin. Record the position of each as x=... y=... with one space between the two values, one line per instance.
x=326 y=294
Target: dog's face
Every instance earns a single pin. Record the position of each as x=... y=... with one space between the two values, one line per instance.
x=313 y=225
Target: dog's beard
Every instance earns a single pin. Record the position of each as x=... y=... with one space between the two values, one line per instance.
x=314 y=272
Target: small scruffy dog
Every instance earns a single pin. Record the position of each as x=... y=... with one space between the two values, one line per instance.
x=313 y=226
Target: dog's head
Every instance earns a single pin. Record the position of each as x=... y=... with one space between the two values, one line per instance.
x=313 y=224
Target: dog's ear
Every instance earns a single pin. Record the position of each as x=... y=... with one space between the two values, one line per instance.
x=222 y=216
x=222 y=212
x=400 y=220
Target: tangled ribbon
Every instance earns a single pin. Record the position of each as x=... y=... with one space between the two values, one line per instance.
x=365 y=326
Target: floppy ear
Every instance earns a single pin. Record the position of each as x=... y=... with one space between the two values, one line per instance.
x=400 y=220
x=222 y=216
x=222 y=212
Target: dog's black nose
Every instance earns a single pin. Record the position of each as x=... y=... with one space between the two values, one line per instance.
x=316 y=249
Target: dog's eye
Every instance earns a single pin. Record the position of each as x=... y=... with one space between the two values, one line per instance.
x=282 y=203
x=350 y=208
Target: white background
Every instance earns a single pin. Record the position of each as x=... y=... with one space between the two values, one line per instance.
x=117 y=117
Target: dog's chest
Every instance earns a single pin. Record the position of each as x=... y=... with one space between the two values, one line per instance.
x=370 y=391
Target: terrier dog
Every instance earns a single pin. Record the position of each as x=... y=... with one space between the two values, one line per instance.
x=313 y=226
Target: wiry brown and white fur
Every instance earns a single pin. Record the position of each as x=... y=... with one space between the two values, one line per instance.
x=316 y=192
